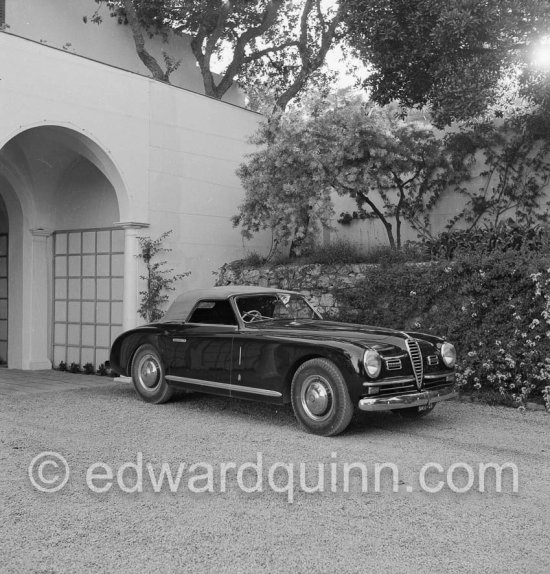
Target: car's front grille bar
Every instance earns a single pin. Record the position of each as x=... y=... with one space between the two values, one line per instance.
x=405 y=388
x=393 y=364
x=416 y=360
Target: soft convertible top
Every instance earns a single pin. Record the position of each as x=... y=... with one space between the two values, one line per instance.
x=182 y=306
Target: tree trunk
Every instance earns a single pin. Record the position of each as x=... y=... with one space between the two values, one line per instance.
x=149 y=61
x=297 y=243
x=398 y=230
x=382 y=218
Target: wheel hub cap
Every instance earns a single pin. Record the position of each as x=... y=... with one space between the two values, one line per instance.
x=316 y=398
x=149 y=372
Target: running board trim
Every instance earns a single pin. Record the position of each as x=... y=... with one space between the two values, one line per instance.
x=225 y=386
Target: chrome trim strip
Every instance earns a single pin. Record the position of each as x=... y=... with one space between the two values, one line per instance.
x=422 y=398
x=394 y=381
x=179 y=340
x=449 y=376
x=226 y=386
x=401 y=356
x=439 y=375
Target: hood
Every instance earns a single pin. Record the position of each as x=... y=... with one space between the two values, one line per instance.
x=366 y=335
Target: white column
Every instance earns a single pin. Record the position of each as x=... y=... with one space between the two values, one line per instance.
x=130 y=305
x=39 y=349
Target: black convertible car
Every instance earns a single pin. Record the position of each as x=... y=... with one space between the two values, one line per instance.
x=271 y=345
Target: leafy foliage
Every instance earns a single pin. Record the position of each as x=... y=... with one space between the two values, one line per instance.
x=89 y=369
x=393 y=168
x=337 y=252
x=506 y=236
x=495 y=308
x=458 y=57
x=274 y=46
x=102 y=370
x=75 y=368
x=158 y=279
x=516 y=173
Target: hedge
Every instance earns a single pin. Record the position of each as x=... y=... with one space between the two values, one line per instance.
x=494 y=307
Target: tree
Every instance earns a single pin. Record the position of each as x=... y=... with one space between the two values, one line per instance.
x=275 y=44
x=410 y=171
x=285 y=186
x=395 y=169
x=456 y=56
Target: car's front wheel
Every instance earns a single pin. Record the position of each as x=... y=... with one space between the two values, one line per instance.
x=320 y=398
x=148 y=375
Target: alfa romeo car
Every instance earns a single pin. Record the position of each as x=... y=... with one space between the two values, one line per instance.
x=272 y=345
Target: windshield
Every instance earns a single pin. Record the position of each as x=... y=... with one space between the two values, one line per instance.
x=253 y=308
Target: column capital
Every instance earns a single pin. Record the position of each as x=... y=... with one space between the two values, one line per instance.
x=132 y=224
x=41 y=232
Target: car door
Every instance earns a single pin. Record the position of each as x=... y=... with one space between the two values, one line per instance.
x=257 y=367
x=258 y=357
x=203 y=346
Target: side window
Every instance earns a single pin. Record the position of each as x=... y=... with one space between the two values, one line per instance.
x=213 y=313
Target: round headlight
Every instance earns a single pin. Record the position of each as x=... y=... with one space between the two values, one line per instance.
x=373 y=363
x=448 y=354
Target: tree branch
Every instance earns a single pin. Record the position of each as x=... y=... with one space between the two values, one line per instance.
x=310 y=64
x=269 y=16
x=149 y=61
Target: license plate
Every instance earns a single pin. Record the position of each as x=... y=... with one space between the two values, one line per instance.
x=423 y=408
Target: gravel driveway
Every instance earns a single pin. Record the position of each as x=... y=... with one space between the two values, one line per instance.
x=411 y=530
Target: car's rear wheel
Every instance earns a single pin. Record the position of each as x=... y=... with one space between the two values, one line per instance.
x=320 y=398
x=414 y=412
x=148 y=376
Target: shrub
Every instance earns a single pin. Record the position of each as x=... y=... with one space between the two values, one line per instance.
x=508 y=235
x=75 y=368
x=89 y=369
x=159 y=280
x=102 y=370
x=495 y=308
x=62 y=366
x=339 y=251
x=252 y=259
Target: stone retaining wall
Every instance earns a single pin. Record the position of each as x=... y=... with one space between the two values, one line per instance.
x=316 y=281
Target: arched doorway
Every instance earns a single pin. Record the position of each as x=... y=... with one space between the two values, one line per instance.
x=61 y=195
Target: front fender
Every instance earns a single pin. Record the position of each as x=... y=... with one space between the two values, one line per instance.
x=347 y=357
x=126 y=344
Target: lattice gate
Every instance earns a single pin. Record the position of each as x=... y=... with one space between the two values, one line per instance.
x=88 y=288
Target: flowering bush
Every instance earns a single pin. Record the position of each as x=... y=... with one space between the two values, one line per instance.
x=494 y=307
x=507 y=235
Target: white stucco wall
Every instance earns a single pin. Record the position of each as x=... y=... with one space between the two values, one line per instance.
x=60 y=24
x=371 y=232
x=175 y=151
x=168 y=156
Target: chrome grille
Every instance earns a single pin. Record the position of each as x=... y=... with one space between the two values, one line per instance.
x=393 y=364
x=433 y=360
x=416 y=360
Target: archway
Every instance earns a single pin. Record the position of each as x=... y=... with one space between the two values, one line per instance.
x=61 y=195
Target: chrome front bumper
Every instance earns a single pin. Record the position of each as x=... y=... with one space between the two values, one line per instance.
x=420 y=399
